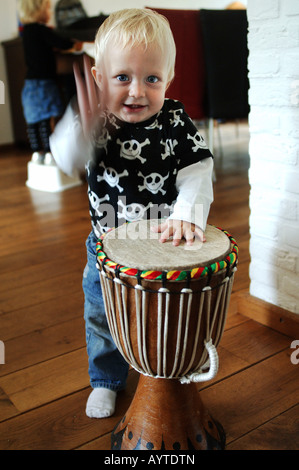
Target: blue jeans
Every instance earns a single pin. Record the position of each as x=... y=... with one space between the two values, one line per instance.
x=107 y=367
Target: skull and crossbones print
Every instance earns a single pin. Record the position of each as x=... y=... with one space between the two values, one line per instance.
x=96 y=201
x=153 y=182
x=198 y=140
x=132 y=212
x=111 y=177
x=131 y=149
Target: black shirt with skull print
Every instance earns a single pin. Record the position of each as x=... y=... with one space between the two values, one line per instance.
x=135 y=167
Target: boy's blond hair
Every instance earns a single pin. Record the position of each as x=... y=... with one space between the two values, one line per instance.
x=29 y=9
x=136 y=27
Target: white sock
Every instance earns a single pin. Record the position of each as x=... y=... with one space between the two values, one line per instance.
x=101 y=403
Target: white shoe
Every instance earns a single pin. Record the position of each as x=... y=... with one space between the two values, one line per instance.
x=38 y=158
x=49 y=160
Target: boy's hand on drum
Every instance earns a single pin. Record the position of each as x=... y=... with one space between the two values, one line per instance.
x=178 y=229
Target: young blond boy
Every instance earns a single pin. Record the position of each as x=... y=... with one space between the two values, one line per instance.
x=154 y=153
x=41 y=98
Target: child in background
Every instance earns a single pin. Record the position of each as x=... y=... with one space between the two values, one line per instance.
x=142 y=138
x=40 y=95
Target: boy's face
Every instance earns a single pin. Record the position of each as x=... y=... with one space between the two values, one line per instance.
x=133 y=82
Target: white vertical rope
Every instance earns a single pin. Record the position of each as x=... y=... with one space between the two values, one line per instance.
x=189 y=294
x=103 y=279
x=221 y=301
x=216 y=308
x=229 y=291
x=110 y=312
x=141 y=316
x=184 y=293
x=160 y=332
x=165 y=331
x=144 y=330
x=207 y=293
x=127 y=339
x=159 y=321
x=196 y=337
x=139 y=326
x=117 y=288
x=178 y=339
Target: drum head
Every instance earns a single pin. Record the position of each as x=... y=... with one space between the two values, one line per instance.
x=136 y=245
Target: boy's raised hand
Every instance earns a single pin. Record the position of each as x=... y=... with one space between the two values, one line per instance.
x=178 y=229
x=87 y=96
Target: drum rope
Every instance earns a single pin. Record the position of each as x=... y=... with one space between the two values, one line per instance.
x=186 y=297
x=160 y=330
x=181 y=310
x=108 y=301
x=141 y=313
x=172 y=293
x=213 y=361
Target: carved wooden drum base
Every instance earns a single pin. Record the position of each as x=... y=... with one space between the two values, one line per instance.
x=167 y=415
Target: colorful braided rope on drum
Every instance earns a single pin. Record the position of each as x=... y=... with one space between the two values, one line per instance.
x=195 y=273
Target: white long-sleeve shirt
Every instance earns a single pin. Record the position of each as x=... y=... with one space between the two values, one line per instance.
x=154 y=169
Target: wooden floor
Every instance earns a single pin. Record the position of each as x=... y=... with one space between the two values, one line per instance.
x=44 y=382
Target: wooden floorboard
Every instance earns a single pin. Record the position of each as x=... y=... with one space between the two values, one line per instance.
x=44 y=382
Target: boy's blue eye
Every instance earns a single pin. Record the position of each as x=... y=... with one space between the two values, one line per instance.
x=122 y=78
x=152 y=79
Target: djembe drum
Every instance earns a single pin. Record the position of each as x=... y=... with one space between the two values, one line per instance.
x=166 y=308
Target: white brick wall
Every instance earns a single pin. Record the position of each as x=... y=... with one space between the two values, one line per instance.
x=273 y=41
